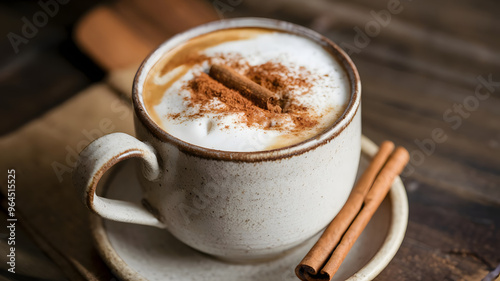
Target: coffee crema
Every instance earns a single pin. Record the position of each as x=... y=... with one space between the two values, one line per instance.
x=187 y=103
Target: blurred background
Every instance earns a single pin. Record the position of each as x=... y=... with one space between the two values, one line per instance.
x=426 y=67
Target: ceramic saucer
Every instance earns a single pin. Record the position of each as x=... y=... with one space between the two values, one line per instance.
x=137 y=252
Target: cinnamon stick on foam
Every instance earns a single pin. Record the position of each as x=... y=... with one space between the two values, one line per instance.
x=251 y=90
x=320 y=263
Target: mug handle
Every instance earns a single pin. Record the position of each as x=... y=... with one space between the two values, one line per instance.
x=96 y=159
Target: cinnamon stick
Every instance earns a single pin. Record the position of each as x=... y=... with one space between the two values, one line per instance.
x=374 y=197
x=318 y=255
x=246 y=87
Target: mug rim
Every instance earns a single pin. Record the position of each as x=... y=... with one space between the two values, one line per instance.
x=252 y=156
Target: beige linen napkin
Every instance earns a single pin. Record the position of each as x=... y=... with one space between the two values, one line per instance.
x=43 y=153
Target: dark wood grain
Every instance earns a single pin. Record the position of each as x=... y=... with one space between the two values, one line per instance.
x=45 y=71
x=423 y=63
x=426 y=60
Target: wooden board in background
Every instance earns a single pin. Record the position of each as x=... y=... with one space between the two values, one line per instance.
x=47 y=204
x=419 y=66
x=426 y=60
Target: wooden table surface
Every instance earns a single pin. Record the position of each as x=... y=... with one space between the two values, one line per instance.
x=431 y=82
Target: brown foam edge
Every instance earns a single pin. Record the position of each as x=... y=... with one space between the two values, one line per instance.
x=268 y=155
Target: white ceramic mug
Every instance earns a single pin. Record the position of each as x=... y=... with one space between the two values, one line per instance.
x=239 y=206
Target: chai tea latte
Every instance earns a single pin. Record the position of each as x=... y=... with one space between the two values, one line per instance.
x=188 y=103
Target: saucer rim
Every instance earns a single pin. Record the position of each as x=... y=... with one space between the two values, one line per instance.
x=392 y=242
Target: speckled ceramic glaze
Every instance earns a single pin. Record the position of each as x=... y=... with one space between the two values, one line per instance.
x=135 y=252
x=239 y=206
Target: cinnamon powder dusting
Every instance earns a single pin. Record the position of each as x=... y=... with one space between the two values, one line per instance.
x=204 y=91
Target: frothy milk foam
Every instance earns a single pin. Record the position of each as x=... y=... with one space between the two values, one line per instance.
x=322 y=93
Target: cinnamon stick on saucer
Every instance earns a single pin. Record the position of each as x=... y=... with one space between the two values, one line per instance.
x=248 y=88
x=320 y=263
